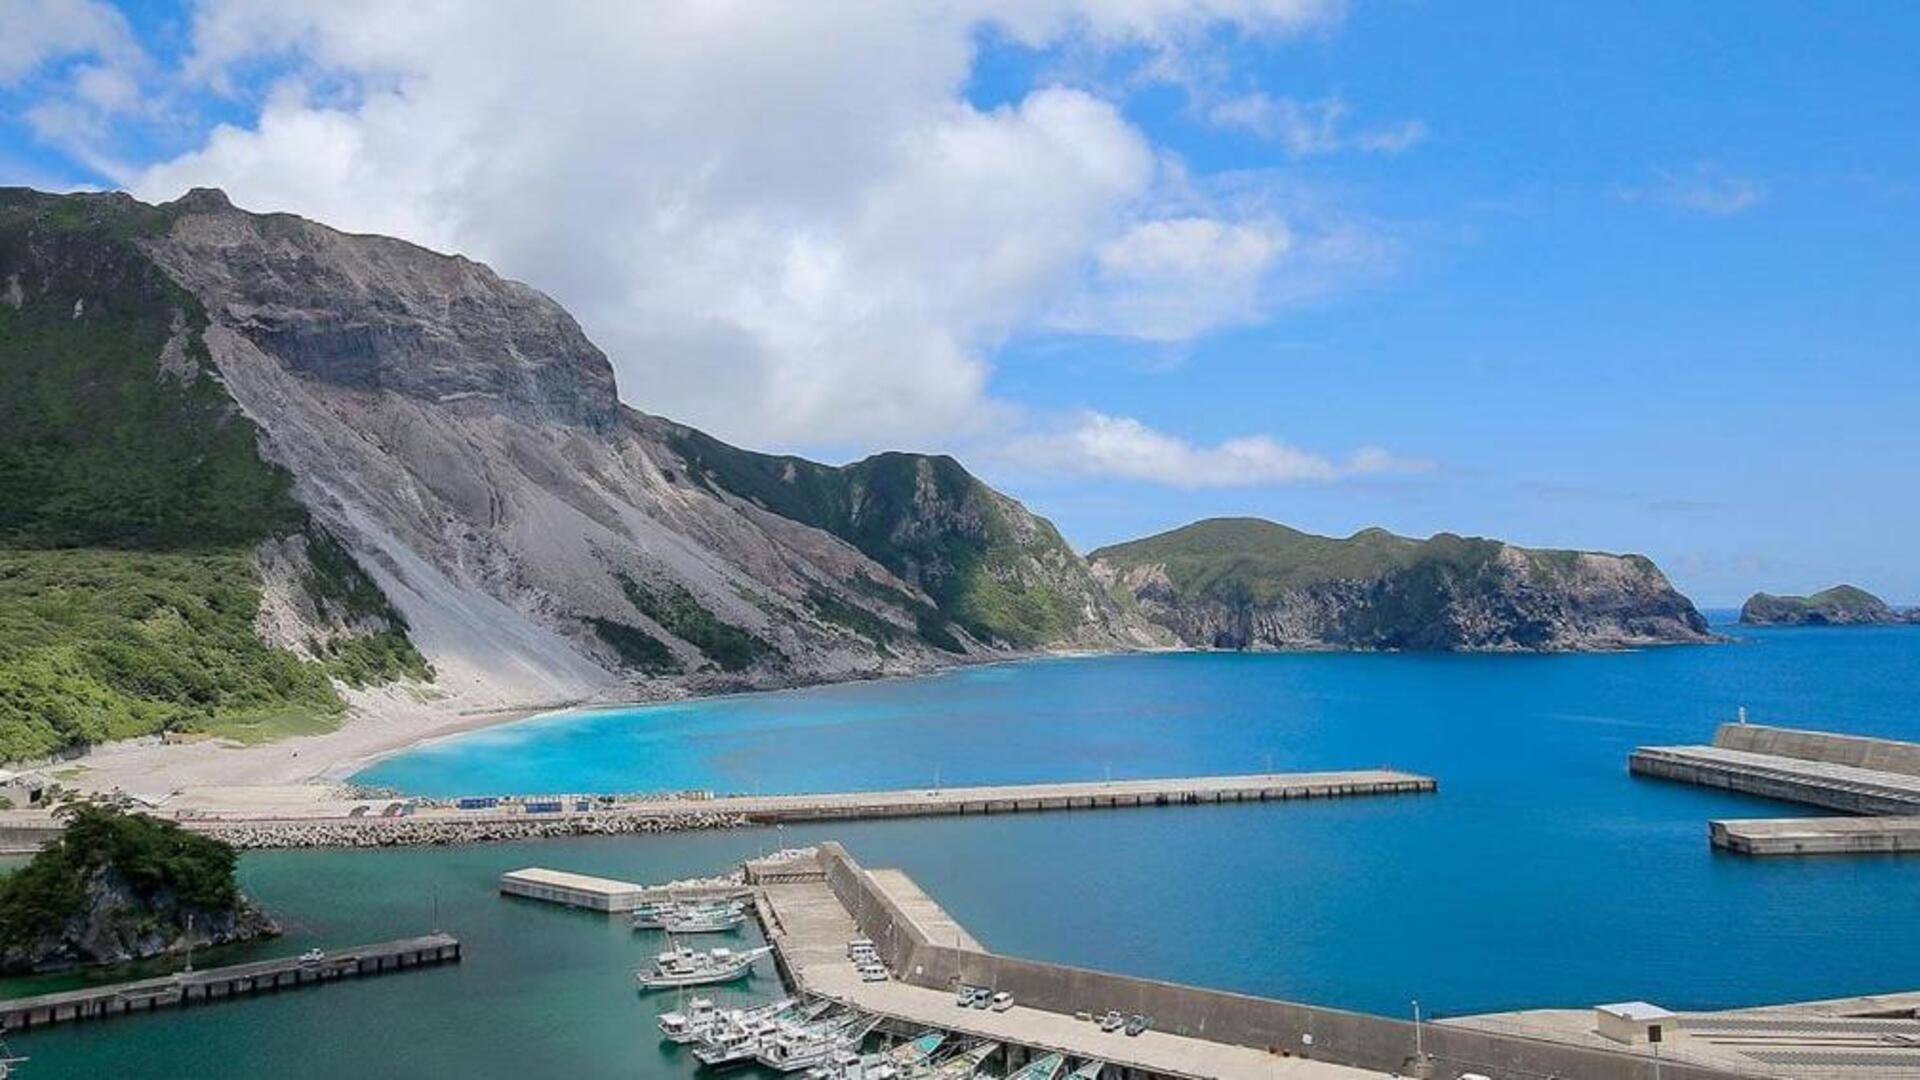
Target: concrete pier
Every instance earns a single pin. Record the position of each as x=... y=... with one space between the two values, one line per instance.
x=1196 y=1032
x=218 y=984
x=1817 y=836
x=1847 y=773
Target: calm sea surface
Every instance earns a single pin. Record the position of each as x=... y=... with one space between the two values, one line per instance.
x=1540 y=875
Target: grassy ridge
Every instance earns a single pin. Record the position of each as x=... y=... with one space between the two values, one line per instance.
x=132 y=496
x=924 y=517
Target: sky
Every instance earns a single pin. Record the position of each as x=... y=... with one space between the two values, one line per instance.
x=1626 y=276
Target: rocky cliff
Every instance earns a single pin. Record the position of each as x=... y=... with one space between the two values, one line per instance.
x=436 y=456
x=1249 y=584
x=118 y=887
x=1842 y=605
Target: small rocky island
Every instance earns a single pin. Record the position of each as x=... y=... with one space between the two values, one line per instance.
x=1842 y=605
x=118 y=887
x=1244 y=583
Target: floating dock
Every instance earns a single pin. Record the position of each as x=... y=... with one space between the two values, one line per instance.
x=1848 y=773
x=222 y=983
x=1817 y=836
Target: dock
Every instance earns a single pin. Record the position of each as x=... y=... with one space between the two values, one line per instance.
x=1196 y=1032
x=1876 y=780
x=1817 y=836
x=224 y=983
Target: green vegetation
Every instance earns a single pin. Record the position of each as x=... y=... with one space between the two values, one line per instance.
x=1839 y=605
x=99 y=645
x=636 y=647
x=150 y=856
x=132 y=497
x=1251 y=560
x=680 y=614
x=923 y=517
x=832 y=609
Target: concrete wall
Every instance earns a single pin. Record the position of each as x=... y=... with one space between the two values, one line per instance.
x=1676 y=764
x=1885 y=755
x=1349 y=1038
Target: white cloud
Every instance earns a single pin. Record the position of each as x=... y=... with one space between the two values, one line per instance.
x=1311 y=128
x=1124 y=448
x=36 y=32
x=1702 y=189
x=784 y=222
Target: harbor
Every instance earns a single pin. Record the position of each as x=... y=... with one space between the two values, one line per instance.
x=189 y=988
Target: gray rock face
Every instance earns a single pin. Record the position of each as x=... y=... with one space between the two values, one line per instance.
x=122 y=923
x=462 y=438
x=1254 y=585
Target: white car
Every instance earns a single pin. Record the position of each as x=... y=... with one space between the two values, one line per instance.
x=1001 y=1002
x=873 y=973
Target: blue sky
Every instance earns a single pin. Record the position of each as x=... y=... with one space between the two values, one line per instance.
x=1624 y=276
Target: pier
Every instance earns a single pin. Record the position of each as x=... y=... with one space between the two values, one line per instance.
x=1847 y=773
x=1817 y=836
x=1196 y=1032
x=224 y=983
x=327 y=820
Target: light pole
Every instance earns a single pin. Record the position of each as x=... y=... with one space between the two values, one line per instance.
x=189 y=943
x=1419 y=1047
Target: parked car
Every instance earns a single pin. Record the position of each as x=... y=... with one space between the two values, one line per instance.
x=963 y=997
x=312 y=957
x=872 y=973
x=1138 y=1024
x=1002 y=1001
x=1113 y=1021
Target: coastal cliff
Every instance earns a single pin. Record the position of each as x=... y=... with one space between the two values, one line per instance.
x=410 y=484
x=1842 y=605
x=1243 y=583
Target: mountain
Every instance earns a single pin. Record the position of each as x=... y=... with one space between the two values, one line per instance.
x=1842 y=605
x=1244 y=583
x=252 y=467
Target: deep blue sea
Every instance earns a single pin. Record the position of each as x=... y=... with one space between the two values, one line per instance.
x=1541 y=874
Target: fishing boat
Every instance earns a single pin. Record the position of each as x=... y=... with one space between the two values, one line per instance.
x=963 y=1065
x=908 y=1054
x=703 y=921
x=691 y=1023
x=1088 y=1070
x=655 y=915
x=693 y=967
x=1046 y=1067
x=802 y=1046
x=7 y=1061
x=737 y=1038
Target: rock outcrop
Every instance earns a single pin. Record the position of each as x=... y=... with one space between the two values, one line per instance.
x=1842 y=605
x=1249 y=584
x=122 y=887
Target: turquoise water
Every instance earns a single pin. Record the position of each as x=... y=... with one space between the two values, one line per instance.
x=1541 y=874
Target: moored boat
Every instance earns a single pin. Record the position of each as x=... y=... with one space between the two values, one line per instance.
x=693 y=967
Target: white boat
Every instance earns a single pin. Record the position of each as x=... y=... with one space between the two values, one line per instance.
x=802 y=1046
x=737 y=1037
x=692 y=967
x=656 y=915
x=917 y=1051
x=1088 y=1070
x=1046 y=1067
x=963 y=1065
x=703 y=921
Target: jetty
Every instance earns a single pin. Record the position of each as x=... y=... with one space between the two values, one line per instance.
x=224 y=983
x=1877 y=781
x=1195 y=1032
x=328 y=819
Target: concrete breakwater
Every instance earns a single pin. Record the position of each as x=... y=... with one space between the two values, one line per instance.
x=422 y=831
x=295 y=818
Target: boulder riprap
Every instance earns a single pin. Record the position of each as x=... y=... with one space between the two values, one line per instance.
x=117 y=887
x=1243 y=583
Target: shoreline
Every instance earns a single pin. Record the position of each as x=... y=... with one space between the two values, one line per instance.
x=383 y=724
